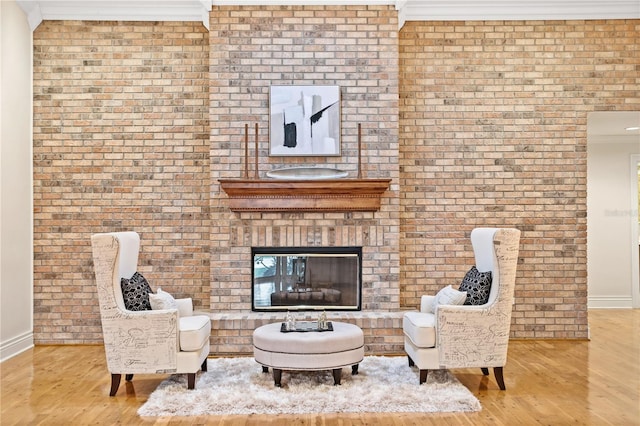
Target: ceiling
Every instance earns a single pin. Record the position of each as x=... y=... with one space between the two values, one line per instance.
x=408 y=10
x=613 y=123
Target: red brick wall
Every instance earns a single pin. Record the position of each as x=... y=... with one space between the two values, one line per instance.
x=493 y=133
x=121 y=142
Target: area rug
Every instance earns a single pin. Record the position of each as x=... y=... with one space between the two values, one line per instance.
x=238 y=386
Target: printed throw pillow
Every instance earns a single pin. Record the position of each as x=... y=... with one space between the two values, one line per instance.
x=448 y=296
x=162 y=300
x=135 y=292
x=477 y=285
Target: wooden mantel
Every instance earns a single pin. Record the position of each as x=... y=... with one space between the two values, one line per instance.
x=330 y=195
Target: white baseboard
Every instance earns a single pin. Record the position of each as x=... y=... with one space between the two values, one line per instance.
x=610 y=302
x=16 y=345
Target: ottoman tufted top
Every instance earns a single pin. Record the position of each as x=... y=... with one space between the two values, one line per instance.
x=344 y=337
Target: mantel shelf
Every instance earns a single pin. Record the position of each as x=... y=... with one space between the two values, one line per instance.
x=330 y=195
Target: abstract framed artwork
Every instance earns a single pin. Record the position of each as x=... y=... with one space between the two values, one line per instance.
x=304 y=121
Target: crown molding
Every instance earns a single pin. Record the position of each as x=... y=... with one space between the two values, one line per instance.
x=511 y=10
x=408 y=10
x=116 y=10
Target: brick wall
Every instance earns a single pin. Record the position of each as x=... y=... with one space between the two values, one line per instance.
x=121 y=142
x=253 y=48
x=134 y=123
x=493 y=133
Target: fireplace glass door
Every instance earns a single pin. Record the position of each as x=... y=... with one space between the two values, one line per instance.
x=306 y=278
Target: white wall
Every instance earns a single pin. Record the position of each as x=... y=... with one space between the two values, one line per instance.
x=609 y=221
x=16 y=206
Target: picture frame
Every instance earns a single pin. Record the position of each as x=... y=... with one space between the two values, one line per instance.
x=304 y=120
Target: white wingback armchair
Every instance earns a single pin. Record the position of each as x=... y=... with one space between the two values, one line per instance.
x=469 y=336
x=150 y=341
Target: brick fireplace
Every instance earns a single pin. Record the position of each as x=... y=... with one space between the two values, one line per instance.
x=355 y=49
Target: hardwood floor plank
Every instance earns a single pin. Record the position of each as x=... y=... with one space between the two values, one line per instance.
x=549 y=382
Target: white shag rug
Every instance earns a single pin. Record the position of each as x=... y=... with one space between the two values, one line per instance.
x=238 y=386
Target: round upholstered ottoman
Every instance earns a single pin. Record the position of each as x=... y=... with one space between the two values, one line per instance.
x=312 y=350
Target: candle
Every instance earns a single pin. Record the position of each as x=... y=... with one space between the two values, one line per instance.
x=256 y=150
x=359 y=150
x=246 y=151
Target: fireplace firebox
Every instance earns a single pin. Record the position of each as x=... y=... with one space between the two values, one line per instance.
x=306 y=278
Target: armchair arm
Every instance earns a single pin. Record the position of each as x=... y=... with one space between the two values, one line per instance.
x=185 y=307
x=140 y=342
x=472 y=336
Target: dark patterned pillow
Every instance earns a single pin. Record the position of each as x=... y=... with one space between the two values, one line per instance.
x=477 y=285
x=135 y=292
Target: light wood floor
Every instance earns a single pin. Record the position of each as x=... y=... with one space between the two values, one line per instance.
x=594 y=382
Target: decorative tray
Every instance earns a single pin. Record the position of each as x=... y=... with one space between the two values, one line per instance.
x=304 y=326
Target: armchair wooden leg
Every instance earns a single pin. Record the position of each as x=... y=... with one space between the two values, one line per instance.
x=497 y=371
x=485 y=371
x=191 y=380
x=411 y=363
x=115 y=384
x=128 y=377
x=423 y=376
x=203 y=367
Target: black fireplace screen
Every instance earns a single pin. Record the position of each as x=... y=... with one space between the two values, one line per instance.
x=306 y=278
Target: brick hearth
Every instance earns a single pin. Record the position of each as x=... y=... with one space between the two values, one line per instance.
x=232 y=331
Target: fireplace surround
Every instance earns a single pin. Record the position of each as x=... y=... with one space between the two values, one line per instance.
x=306 y=278
x=248 y=210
